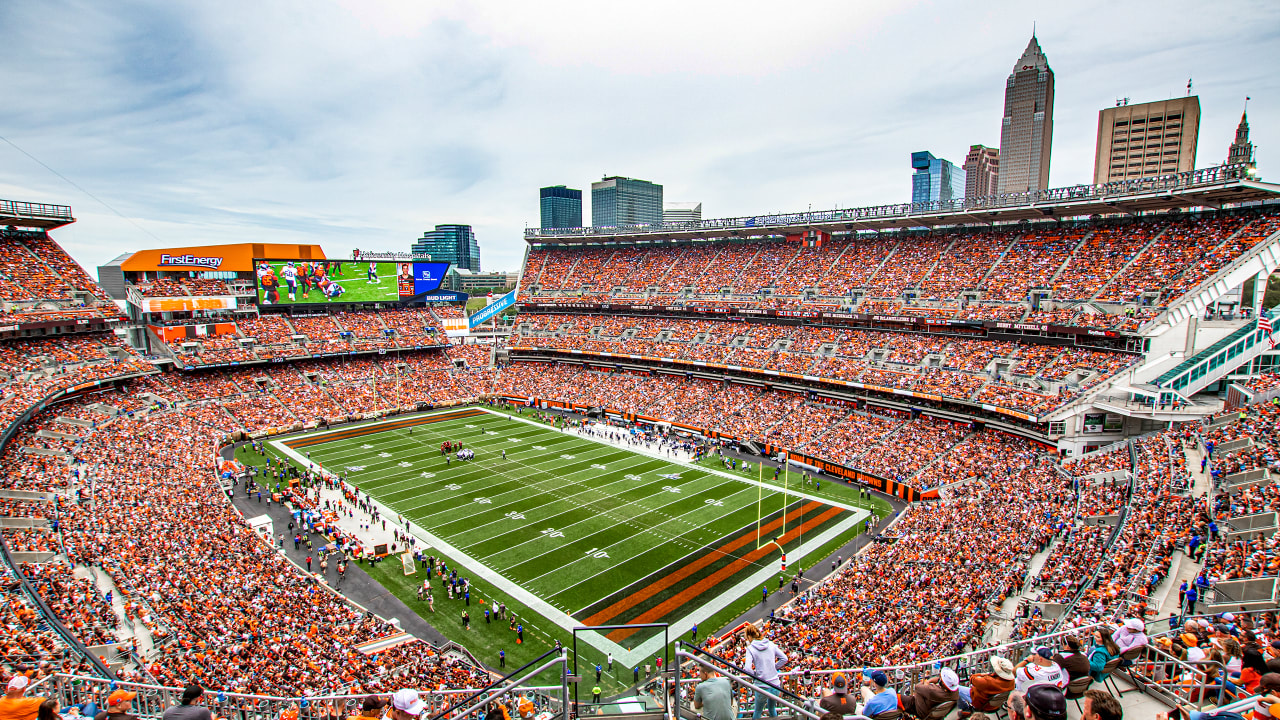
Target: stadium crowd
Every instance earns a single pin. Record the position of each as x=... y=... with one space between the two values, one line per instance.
x=1136 y=266
x=956 y=368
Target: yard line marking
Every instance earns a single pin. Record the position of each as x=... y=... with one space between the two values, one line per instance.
x=620 y=560
x=648 y=529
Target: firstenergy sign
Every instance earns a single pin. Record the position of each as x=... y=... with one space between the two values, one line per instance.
x=189 y=260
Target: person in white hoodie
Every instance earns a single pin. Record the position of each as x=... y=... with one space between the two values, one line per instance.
x=1131 y=635
x=763 y=661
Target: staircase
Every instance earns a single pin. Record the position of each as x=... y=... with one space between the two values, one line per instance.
x=871 y=279
x=1216 y=361
x=1070 y=257
x=1263 y=258
x=1120 y=273
x=999 y=260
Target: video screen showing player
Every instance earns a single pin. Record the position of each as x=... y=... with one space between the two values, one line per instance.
x=405 y=279
x=296 y=282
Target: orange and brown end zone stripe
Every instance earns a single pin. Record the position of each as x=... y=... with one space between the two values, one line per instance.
x=607 y=616
x=347 y=434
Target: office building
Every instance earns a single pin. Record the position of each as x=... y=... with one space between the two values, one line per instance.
x=1026 y=131
x=1241 y=150
x=935 y=179
x=681 y=212
x=1147 y=139
x=454 y=244
x=561 y=207
x=981 y=171
x=463 y=280
x=618 y=201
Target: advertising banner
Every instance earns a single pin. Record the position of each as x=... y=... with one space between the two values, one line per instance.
x=493 y=309
x=188 y=304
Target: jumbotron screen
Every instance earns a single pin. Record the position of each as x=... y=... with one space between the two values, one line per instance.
x=296 y=282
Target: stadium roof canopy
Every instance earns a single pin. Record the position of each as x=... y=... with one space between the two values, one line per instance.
x=34 y=215
x=1212 y=187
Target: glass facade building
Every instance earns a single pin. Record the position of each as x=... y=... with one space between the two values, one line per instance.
x=454 y=244
x=619 y=201
x=935 y=179
x=561 y=207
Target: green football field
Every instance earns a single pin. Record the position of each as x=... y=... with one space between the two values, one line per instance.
x=354 y=280
x=579 y=531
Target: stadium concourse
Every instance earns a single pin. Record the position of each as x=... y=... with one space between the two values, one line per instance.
x=125 y=560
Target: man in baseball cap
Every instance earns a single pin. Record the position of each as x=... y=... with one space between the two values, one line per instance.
x=406 y=705
x=119 y=702
x=1039 y=669
x=15 y=705
x=189 y=708
x=836 y=698
x=929 y=694
x=1045 y=702
x=877 y=694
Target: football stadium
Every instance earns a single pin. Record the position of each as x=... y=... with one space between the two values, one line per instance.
x=998 y=454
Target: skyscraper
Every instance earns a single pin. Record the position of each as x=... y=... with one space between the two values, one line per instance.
x=1026 y=132
x=561 y=207
x=981 y=171
x=451 y=243
x=618 y=201
x=1241 y=150
x=1145 y=140
x=935 y=179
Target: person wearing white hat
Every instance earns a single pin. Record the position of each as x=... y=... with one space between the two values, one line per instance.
x=15 y=705
x=983 y=686
x=406 y=705
x=1131 y=635
x=929 y=694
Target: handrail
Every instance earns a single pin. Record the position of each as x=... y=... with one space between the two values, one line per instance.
x=1206 y=177
x=1209 y=282
x=764 y=687
x=1170 y=377
x=19 y=208
x=510 y=675
x=467 y=706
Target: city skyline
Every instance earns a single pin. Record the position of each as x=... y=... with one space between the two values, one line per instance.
x=203 y=132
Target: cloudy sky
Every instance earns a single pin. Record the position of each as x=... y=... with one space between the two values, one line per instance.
x=356 y=123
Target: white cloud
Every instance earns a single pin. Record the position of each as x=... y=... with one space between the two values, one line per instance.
x=363 y=124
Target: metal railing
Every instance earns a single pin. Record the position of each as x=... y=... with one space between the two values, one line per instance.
x=153 y=700
x=18 y=208
x=798 y=705
x=1194 y=179
x=1216 y=356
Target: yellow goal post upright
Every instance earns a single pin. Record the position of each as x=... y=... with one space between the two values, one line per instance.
x=786 y=477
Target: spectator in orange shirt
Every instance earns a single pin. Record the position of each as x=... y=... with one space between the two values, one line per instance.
x=15 y=705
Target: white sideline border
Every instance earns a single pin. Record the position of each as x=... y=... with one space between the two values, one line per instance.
x=678 y=627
